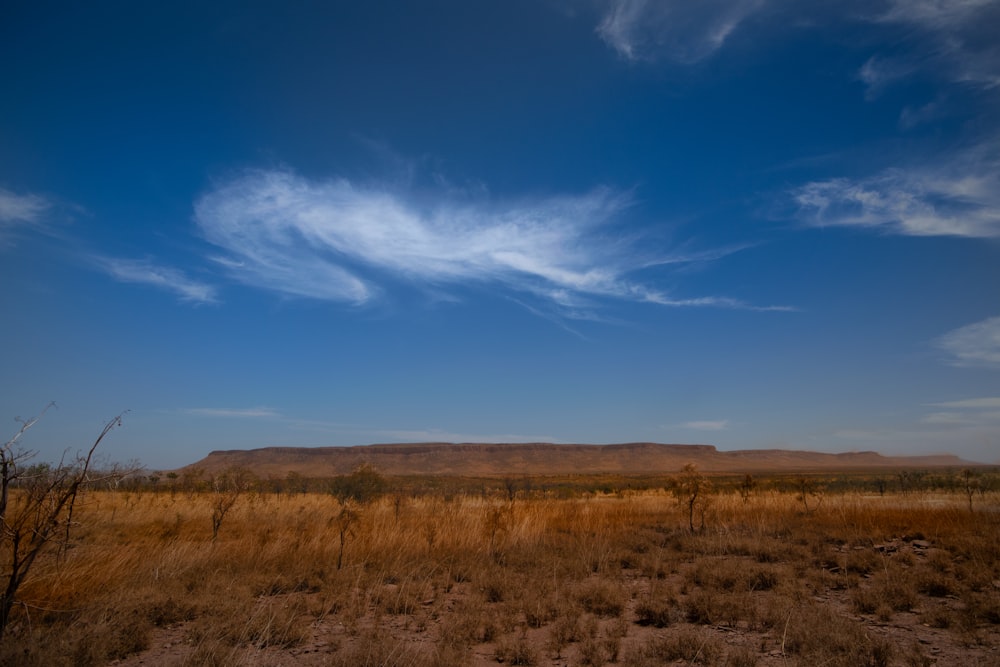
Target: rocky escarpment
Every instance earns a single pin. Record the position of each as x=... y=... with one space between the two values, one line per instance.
x=475 y=459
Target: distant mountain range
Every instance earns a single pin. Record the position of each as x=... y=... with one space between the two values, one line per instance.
x=474 y=459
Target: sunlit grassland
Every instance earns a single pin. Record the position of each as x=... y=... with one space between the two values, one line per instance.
x=480 y=578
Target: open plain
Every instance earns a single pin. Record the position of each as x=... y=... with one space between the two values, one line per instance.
x=791 y=570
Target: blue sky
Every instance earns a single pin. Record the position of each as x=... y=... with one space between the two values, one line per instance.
x=749 y=223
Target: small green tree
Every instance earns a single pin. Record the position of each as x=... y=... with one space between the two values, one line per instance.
x=363 y=485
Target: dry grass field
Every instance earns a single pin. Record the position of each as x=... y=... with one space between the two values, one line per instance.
x=480 y=579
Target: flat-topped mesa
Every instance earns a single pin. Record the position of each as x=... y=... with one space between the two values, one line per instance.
x=540 y=458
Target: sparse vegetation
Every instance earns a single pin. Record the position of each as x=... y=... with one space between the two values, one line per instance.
x=37 y=503
x=692 y=490
x=226 y=490
x=380 y=575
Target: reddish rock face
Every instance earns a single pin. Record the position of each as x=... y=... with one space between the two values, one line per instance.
x=488 y=459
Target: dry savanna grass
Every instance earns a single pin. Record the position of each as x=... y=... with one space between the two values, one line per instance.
x=598 y=579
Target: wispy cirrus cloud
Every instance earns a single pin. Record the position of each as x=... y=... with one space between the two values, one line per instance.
x=962 y=36
x=935 y=14
x=715 y=302
x=969 y=413
x=239 y=413
x=975 y=345
x=990 y=402
x=880 y=72
x=684 y=32
x=950 y=41
x=959 y=197
x=146 y=272
x=966 y=419
x=339 y=241
x=19 y=211
x=707 y=425
x=717 y=425
x=21 y=208
x=951 y=45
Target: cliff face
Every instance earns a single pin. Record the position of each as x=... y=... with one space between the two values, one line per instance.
x=473 y=459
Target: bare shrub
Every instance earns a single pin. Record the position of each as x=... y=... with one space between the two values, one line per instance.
x=36 y=506
x=592 y=653
x=375 y=649
x=270 y=622
x=516 y=652
x=692 y=645
x=615 y=632
x=162 y=612
x=762 y=579
x=539 y=607
x=659 y=608
x=111 y=637
x=883 y=596
x=564 y=631
x=809 y=492
x=692 y=490
x=470 y=623
x=742 y=656
x=494 y=585
x=935 y=584
x=820 y=635
x=601 y=597
x=344 y=522
x=938 y=617
x=915 y=657
x=227 y=488
x=981 y=608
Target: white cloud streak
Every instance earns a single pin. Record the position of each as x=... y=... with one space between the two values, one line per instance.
x=935 y=13
x=952 y=39
x=970 y=413
x=966 y=419
x=971 y=403
x=956 y=40
x=334 y=240
x=878 y=73
x=685 y=32
x=974 y=345
x=239 y=413
x=960 y=197
x=146 y=272
x=21 y=209
x=18 y=211
x=714 y=302
x=720 y=425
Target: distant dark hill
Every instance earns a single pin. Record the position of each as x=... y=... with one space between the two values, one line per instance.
x=470 y=459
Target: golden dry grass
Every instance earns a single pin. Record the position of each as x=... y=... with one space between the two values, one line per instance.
x=593 y=580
